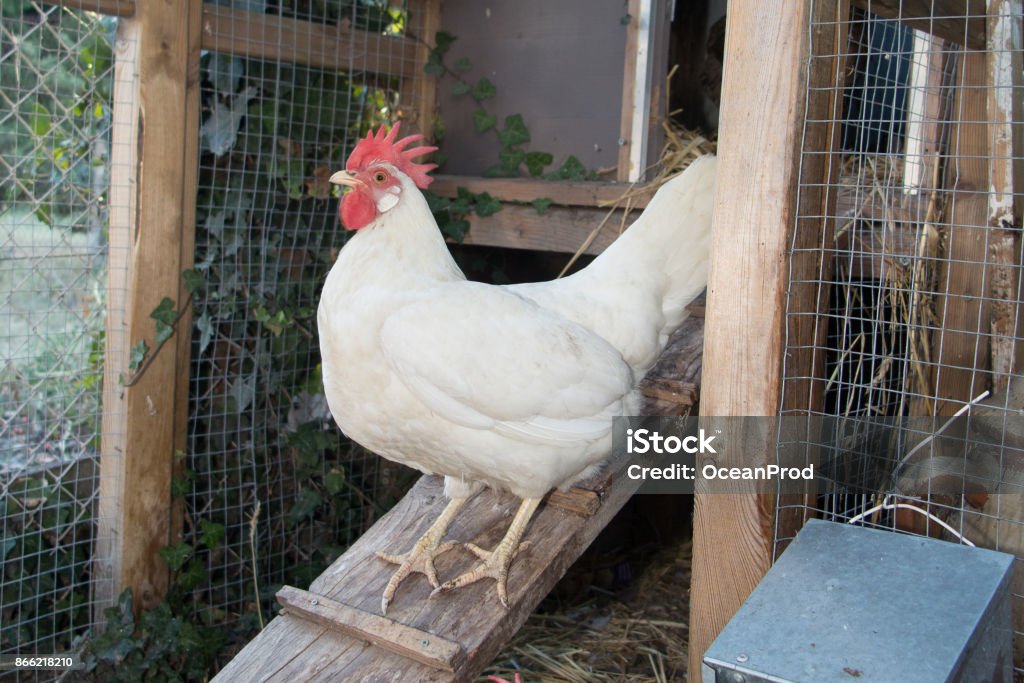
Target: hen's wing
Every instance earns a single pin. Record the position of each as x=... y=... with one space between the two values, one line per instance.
x=487 y=358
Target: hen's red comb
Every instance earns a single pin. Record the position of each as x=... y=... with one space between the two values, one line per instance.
x=382 y=147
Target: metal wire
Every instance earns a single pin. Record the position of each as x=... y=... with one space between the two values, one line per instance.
x=273 y=130
x=56 y=84
x=921 y=291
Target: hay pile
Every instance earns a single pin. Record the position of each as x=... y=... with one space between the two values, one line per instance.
x=638 y=633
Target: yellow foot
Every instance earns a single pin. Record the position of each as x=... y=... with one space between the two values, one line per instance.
x=421 y=558
x=494 y=565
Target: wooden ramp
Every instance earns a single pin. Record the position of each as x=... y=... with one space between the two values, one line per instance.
x=334 y=631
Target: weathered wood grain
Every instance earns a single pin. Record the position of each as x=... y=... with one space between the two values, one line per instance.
x=558 y=229
x=264 y=36
x=152 y=228
x=958 y=21
x=765 y=93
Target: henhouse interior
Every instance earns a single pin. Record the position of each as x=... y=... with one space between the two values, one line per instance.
x=331 y=327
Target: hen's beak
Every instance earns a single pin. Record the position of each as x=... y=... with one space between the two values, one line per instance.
x=345 y=178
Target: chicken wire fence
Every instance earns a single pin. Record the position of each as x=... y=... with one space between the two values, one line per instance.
x=272 y=491
x=916 y=345
x=56 y=97
x=268 y=473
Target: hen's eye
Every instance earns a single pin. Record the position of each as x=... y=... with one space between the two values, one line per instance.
x=380 y=176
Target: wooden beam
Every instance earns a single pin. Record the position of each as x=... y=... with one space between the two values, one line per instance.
x=628 y=88
x=152 y=222
x=295 y=649
x=1006 y=183
x=113 y=8
x=959 y=346
x=557 y=229
x=958 y=21
x=265 y=36
x=418 y=95
x=764 y=99
x=560 y=192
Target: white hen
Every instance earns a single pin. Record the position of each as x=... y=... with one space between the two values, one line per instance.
x=510 y=387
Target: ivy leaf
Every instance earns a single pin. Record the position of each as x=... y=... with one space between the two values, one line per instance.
x=511 y=159
x=460 y=88
x=193 y=575
x=194 y=280
x=536 y=161
x=205 y=327
x=572 y=169
x=541 y=204
x=462 y=65
x=442 y=41
x=484 y=90
x=213 y=533
x=483 y=121
x=137 y=354
x=164 y=315
x=515 y=131
x=486 y=205
x=306 y=503
x=625 y=19
x=176 y=555
x=434 y=65
x=334 y=481
x=456 y=229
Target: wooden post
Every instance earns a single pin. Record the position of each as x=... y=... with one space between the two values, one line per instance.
x=765 y=93
x=962 y=357
x=152 y=230
x=1006 y=147
x=419 y=92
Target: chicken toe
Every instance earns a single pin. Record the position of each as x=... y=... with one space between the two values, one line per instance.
x=494 y=564
x=421 y=558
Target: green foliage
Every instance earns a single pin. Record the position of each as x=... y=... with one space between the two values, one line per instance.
x=45 y=560
x=57 y=141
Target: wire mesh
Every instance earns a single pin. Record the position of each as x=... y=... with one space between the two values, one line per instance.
x=56 y=90
x=917 y=350
x=269 y=473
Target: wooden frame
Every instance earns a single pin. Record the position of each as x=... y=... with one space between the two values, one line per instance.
x=152 y=233
x=765 y=92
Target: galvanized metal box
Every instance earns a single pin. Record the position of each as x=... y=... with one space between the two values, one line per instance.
x=851 y=604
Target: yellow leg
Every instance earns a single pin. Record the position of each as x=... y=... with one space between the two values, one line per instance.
x=421 y=557
x=495 y=563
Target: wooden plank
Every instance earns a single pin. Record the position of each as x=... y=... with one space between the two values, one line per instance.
x=265 y=36
x=420 y=646
x=764 y=98
x=924 y=113
x=418 y=94
x=155 y=138
x=557 y=229
x=525 y=190
x=622 y=173
x=958 y=21
x=1006 y=183
x=290 y=649
x=961 y=354
x=113 y=8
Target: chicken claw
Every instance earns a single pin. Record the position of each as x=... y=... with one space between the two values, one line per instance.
x=495 y=563
x=421 y=558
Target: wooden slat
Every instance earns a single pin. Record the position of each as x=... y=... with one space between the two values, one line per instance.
x=628 y=85
x=152 y=224
x=419 y=646
x=765 y=90
x=264 y=36
x=290 y=650
x=557 y=229
x=961 y=309
x=560 y=192
x=959 y=21
x=418 y=95
x=113 y=8
x=1006 y=183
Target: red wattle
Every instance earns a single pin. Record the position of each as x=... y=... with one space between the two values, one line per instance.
x=356 y=210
